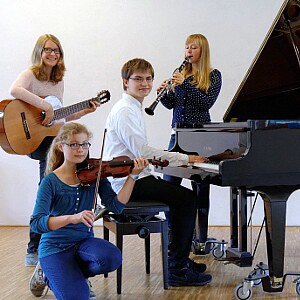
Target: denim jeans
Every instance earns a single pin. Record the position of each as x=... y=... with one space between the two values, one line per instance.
x=202 y=191
x=66 y=272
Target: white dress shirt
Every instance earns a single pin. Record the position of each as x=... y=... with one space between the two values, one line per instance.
x=126 y=136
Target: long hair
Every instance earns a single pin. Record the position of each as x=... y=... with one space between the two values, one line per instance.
x=201 y=76
x=37 y=67
x=136 y=64
x=55 y=157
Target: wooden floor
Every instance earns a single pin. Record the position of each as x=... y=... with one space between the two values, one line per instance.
x=14 y=276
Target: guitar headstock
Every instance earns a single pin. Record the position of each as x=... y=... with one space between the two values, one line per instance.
x=103 y=96
x=159 y=162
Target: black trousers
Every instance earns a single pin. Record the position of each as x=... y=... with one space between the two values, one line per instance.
x=202 y=190
x=182 y=203
x=39 y=154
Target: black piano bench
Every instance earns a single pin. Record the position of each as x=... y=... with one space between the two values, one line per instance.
x=139 y=218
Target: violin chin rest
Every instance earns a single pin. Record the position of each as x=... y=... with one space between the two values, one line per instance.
x=100 y=213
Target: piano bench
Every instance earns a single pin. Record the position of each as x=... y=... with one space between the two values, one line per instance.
x=139 y=218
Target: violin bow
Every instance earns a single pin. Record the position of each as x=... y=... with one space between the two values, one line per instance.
x=94 y=206
x=99 y=172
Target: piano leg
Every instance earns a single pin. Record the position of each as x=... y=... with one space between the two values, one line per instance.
x=234 y=217
x=243 y=228
x=237 y=252
x=275 y=199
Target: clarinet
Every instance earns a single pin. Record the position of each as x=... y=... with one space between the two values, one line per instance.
x=150 y=110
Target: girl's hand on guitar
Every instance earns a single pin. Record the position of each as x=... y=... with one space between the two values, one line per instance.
x=48 y=117
x=92 y=108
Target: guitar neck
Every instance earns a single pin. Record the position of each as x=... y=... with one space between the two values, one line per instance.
x=63 y=112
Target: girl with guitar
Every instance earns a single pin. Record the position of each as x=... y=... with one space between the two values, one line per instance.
x=68 y=251
x=44 y=78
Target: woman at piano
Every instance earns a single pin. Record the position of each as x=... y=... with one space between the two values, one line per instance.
x=194 y=91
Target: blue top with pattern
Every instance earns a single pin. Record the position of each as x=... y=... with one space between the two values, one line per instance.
x=191 y=105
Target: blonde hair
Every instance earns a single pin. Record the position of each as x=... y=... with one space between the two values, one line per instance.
x=55 y=157
x=136 y=64
x=37 y=67
x=201 y=76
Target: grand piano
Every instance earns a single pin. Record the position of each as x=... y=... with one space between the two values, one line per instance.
x=264 y=117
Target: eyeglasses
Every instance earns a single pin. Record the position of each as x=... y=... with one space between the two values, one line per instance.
x=75 y=146
x=141 y=79
x=49 y=50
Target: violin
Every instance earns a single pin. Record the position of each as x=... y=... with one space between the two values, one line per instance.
x=120 y=166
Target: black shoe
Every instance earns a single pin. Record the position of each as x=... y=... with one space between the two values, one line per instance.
x=187 y=277
x=197 y=267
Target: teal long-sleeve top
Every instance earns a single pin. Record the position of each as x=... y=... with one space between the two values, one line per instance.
x=55 y=198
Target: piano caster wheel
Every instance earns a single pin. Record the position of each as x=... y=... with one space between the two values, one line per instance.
x=219 y=249
x=218 y=253
x=243 y=292
x=298 y=287
x=259 y=272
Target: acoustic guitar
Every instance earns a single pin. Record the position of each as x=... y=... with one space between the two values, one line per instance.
x=21 y=129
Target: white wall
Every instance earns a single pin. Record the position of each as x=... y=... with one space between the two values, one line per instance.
x=98 y=37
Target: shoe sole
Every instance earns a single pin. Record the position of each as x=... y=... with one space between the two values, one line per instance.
x=30 y=265
x=185 y=283
x=36 y=292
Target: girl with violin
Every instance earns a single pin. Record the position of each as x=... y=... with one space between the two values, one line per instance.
x=68 y=251
x=194 y=91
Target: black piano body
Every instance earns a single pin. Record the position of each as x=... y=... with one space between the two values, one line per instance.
x=264 y=118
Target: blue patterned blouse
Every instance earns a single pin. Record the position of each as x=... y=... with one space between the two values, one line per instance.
x=191 y=105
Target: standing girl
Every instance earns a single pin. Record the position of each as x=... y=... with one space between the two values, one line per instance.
x=44 y=78
x=194 y=91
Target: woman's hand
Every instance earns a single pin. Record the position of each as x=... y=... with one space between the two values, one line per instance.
x=86 y=217
x=177 y=78
x=197 y=159
x=162 y=86
x=139 y=165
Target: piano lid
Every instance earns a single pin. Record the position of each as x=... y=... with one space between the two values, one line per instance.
x=271 y=87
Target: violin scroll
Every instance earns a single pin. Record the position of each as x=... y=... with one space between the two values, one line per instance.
x=159 y=162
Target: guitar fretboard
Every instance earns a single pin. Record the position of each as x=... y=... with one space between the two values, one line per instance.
x=69 y=110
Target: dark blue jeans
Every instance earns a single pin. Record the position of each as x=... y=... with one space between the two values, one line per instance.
x=66 y=272
x=39 y=154
x=202 y=191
